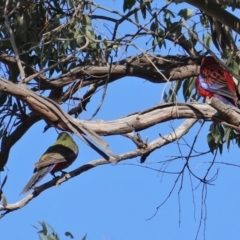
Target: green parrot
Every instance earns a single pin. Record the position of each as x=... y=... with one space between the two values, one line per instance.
x=57 y=157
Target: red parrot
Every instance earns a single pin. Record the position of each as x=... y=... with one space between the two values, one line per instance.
x=57 y=157
x=214 y=81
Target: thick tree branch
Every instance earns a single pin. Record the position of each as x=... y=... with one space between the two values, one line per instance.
x=29 y=70
x=118 y=72
x=226 y=114
x=172 y=67
x=53 y=114
x=150 y=117
x=157 y=143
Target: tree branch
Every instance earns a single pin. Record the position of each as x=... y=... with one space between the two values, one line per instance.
x=12 y=39
x=120 y=71
x=157 y=143
x=213 y=9
x=55 y=116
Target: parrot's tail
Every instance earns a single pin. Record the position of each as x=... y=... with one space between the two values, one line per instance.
x=37 y=177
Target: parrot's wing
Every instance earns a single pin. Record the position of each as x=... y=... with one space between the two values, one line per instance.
x=217 y=80
x=225 y=92
x=50 y=159
x=225 y=100
x=37 y=177
x=219 y=87
x=56 y=154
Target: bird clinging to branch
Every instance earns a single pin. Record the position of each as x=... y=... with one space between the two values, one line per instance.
x=57 y=157
x=214 y=81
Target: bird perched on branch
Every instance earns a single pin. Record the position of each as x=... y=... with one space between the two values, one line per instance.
x=57 y=157
x=214 y=81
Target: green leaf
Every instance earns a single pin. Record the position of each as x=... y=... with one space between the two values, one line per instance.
x=71 y=66
x=238 y=140
x=172 y=93
x=52 y=229
x=13 y=74
x=21 y=26
x=14 y=108
x=188 y=86
x=228 y=136
x=221 y=130
x=44 y=228
x=217 y=135
x=161 y=43
x=165 y=97
x=136 y=17
x=204 y=21
x=4 y=181
x=68 y=234
x=215 y=130
x=153 y=26
x=220 y=147
x=211 y=142
x=161 y=40
x=191 y=36
x=186 y=13
x=3 y=98
x=147 y=6
x=207 y=39
x=72 y=3
x=154 y=43
x=56 y=4
x=177 y=86
x=174 y=27
x=128 y=4
x=88 y=6
x=234 y=66
x=233 y=4
x=85 y=237
x=86 y=21
x=144 y=12
x=168 y=13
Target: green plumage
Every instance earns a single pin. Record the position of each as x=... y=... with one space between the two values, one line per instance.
x=57 y=157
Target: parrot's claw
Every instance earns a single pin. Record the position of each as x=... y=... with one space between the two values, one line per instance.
x=53 y=174
x=63 y=172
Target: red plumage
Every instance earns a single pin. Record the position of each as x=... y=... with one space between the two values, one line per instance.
x=214 y=81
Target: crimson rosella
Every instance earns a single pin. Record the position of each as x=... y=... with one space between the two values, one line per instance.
x=57 y=157
x=214 y=81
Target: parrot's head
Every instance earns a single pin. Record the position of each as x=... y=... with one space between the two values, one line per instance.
x=63 y=136
x=65 y=139
x=208 y=61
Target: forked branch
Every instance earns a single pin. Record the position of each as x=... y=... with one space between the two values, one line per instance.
x=156 y=144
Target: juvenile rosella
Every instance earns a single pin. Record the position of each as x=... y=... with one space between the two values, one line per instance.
x=57 y=157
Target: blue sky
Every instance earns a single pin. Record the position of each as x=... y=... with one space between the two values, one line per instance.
x=113 y=202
